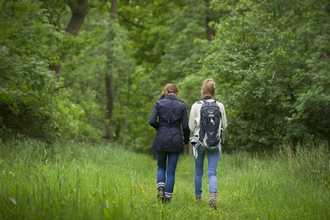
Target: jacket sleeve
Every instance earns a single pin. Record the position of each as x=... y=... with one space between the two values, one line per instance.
x=224 y=119
x=192 y=121
x=153 y=117
x=185 y=126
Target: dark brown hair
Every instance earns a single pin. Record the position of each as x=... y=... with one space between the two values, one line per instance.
x=209 y=87
x=169 y=88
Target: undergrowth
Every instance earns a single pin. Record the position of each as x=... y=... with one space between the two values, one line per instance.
x=78 y=181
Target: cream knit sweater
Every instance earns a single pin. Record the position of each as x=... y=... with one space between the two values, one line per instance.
x=195 y=116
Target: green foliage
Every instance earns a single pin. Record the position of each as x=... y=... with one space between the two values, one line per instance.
x=170 y=39
x=149 y=35
x=29 y=45
x=270 y=60
x=272 y=63
x=90 y=68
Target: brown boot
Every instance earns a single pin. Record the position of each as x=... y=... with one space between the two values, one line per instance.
x=213 y=203
x=213 y=200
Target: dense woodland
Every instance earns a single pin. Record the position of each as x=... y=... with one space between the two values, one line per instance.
x=91 y=70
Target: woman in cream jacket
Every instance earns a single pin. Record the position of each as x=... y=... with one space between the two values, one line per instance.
x=208 y=92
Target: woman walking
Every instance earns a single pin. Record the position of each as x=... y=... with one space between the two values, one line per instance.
x=201 y=139
x=168 y=143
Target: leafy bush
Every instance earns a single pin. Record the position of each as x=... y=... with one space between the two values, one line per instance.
x=28 y=94
x=272 y=65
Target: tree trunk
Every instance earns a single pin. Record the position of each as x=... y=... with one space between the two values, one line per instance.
x=109 y=95
x=127 y=110
x=117 y=133
x=4 y=5
x=79 y=10
x=113 y=10
x=108 y=76
x=209 y=30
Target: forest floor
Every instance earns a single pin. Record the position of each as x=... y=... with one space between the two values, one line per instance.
x=76 y=181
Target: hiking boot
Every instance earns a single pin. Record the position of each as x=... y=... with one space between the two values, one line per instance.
x=161 y=193
x=198 y=199
x=213 y=200
x=213 y=203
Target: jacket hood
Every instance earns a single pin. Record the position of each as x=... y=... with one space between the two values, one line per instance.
x=171 y=96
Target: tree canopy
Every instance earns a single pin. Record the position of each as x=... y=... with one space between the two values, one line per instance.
x=92 y=70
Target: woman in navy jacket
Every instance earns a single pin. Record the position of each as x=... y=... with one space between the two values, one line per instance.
x=168 y=142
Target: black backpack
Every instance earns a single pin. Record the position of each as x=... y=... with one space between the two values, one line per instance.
x=210 y=124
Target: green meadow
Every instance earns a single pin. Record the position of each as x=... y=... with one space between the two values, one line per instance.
x=80 y=181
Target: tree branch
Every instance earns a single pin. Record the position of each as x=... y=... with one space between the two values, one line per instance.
x=131 y=22
x=61 y=87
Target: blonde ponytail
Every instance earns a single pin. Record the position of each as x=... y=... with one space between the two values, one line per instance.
x=208 y=87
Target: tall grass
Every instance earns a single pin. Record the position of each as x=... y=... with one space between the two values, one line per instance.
x=75 y=181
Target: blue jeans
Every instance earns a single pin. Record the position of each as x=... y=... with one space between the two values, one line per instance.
x=172 y=158
x=213 y=159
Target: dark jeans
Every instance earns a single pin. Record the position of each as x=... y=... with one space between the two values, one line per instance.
x=172 y=160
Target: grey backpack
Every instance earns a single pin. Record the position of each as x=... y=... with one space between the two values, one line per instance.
x=210 y=124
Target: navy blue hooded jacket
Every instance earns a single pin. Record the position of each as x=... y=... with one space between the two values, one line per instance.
x=171 y=112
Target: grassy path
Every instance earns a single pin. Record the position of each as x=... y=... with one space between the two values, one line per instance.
x=80 y=182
